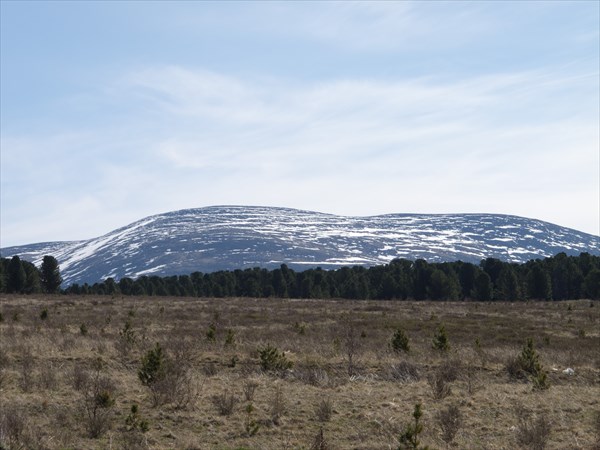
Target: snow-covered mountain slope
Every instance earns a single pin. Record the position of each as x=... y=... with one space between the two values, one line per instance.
x=231 y=237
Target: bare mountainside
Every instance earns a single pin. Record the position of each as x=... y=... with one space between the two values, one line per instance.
x=232 y=237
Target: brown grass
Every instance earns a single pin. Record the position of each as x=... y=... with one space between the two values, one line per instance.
x=342 y=357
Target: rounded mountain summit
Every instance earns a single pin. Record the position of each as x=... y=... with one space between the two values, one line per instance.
x=237 y=237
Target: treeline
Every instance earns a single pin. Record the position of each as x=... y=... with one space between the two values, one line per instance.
x=22 y=277
x=557 y=278
x=560 y=277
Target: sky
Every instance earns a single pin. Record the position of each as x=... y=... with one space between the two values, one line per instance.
x=114 y=111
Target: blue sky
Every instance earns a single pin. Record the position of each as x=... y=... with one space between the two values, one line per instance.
x=112 y=111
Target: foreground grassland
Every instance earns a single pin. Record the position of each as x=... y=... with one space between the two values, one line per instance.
x=69 y=369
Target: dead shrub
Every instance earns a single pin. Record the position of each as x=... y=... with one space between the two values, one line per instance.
x=450 y=421
x=312 y=374
x=596 y=428
x=449 y=369
x=514 y=368
x=182 y=351
x=210 y=369
x=177 y=387
x=324 y=410
x=13 y=427
x=98 y=402
x=533 y=431
x=404 y=372
x=134 y=441
x=26 y=374
x=47 y=378
x=470 y=377
x=440 y=388
x=67 y=343
x=4 y=364
x=351 y=344
x=278 y=407
x=319 y=442
x=249 y=389
x=17 y=432
x=79 y=377
x=224 y=402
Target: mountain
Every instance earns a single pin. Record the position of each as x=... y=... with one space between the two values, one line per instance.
x=232 y=237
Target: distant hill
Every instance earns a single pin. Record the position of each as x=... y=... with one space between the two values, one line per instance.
x=231 y=237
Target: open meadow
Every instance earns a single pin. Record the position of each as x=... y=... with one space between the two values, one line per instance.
x=188 y=373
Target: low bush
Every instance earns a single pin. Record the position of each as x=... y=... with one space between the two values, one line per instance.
x=47 y=379
x=272 y=360
x=13 y=428
x=224 y=402
x=278 y=407
x=319 y=443
x=135 y=422
x=449 y=369
x=26 y=373
x=79 y=377
x=98 y=402
x=169 y=381
x=400 y=341
x=440 y=388
x=533 y=431
x=4 y=364
x=311 y=373
x=450 y=421
x=596 y=428
x=249 y=389
x=404 y=372
x=440 y=340
x=527 y=366
x=324 y=410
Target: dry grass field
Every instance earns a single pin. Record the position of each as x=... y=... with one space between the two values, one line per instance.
x=69 y=369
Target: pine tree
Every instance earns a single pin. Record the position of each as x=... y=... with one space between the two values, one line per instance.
x=482 y=289
x=442 y=286
x=50 y=272
x=409 y=439
x=591 y=284
x=15 y=276
x=440 y=339
x=538 y=283
x=507 y=285
x=32 y=278
x=400 y=341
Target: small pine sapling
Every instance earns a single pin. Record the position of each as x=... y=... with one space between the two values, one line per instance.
x=400 y=341
x=409 y=439
x=440 y=339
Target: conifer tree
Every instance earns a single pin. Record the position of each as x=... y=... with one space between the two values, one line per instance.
x=539 y=283
x=591 y=284
x=15 y=276
x=32 y=278
x=50 y=272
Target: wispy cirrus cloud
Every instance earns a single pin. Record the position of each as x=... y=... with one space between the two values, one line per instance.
x=494 y=143
x=348 y=117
